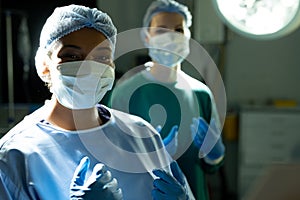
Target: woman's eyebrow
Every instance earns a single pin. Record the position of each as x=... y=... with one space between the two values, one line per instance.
x=71 y=46
x=179 y=25
x=160 y=26
x=97 y=48
x=103 y=48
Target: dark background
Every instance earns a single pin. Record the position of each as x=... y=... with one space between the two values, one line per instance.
x=33 y=89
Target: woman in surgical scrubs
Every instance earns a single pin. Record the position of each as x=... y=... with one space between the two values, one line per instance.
x=72 y=147
x=165 y=96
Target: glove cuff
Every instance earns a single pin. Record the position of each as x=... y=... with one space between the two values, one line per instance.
x=213 y=162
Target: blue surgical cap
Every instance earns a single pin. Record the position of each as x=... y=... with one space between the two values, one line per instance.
x=67 y=19
x=167 y=6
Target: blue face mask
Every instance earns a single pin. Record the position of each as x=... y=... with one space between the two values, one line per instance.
x=169 y=49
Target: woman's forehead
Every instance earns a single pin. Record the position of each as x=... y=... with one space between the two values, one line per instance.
x=85 y=38
x=167 y=18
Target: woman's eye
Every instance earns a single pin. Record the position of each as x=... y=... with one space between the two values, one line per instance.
x=70 y=57
x=104 y=59
x=179 y=30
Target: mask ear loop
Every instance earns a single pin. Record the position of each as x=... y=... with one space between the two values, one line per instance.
x=187 y=32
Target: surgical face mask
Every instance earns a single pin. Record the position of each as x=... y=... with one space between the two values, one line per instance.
x=81 y=84
x=169 y=49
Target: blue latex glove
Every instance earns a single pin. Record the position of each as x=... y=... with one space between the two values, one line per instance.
x=171 y=141
x=100 y=185
x=168 y=187
x=199 y=130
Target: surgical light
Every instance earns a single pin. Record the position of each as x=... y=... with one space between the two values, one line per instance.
x=259 y=19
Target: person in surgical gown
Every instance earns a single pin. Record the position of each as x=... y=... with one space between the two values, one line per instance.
x=163 y=94
x=72 y=147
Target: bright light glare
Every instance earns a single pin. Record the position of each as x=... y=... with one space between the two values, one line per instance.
x=259 y=17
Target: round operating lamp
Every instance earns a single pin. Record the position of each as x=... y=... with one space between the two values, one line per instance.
x=260 y=19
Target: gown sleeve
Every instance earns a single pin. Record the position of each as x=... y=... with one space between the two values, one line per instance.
x=12 y=178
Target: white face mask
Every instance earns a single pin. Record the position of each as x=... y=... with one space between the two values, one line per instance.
x=81 y=84
x=169 y=49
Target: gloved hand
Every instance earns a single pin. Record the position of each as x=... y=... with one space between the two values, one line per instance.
x=168 y=187
x=171 y=141
x=100 y=185
x=199 y=130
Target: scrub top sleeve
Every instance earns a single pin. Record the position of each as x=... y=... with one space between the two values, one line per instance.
x=8 y=188
x=205 y=105
x=208 y=110
x=4 y=192
x=208 y=168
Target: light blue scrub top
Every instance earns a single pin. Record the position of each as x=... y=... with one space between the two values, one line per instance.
x=37 y=159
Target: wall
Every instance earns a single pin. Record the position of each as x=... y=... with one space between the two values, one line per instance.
x=257 y=71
